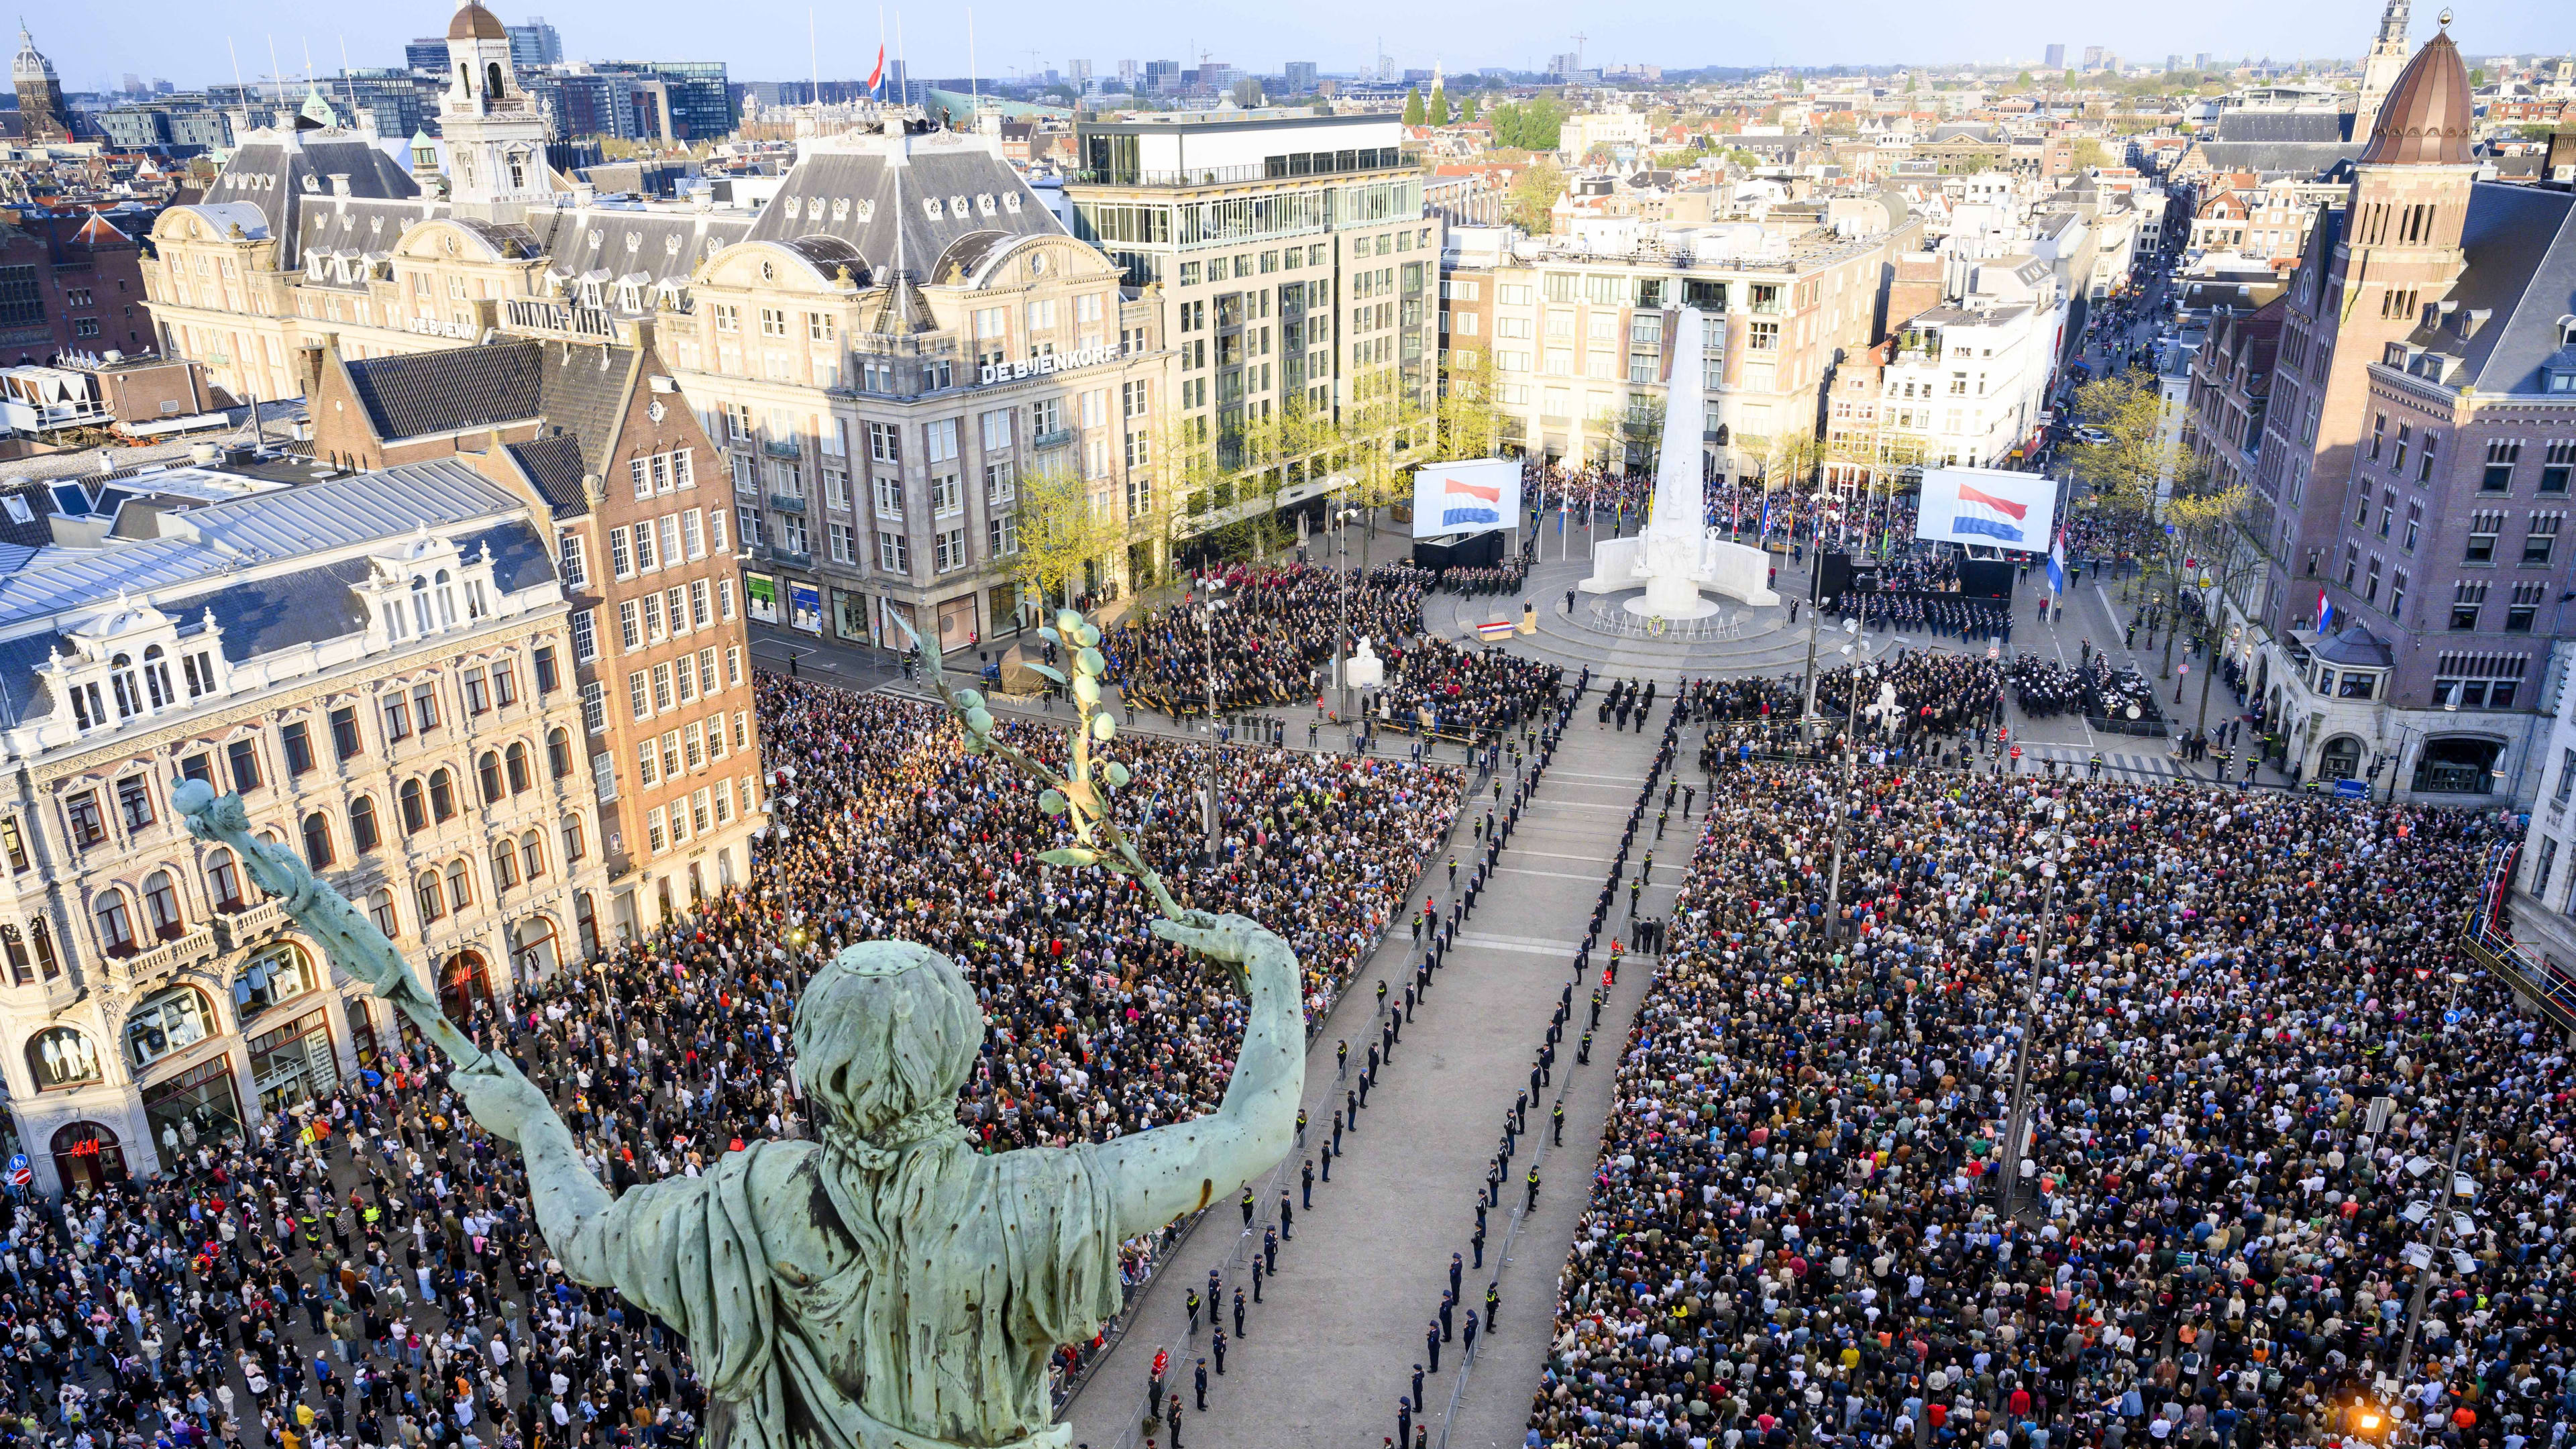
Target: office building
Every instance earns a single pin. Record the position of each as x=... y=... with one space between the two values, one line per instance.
x=1294 y=262
x=684 y=100
x=379 y=666
x=427 y=55
x=1299 y=77
x=1575 y=336
x=1162 y=77
x=534 y=45
x=2056 y=58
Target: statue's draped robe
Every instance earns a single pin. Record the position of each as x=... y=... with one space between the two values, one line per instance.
x=965 y=1272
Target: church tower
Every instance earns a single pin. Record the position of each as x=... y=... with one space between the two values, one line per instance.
x=496 y=135
x=2380 y=69
x=40 y=93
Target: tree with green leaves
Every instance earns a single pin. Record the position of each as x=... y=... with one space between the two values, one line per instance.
x=1531 y=201
x=1413 y=111
x=1467 y=107
x=1438 y=113
x=1059 y=532
x=2021 y=82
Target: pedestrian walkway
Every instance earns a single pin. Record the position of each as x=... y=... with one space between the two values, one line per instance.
x=1331 y=1349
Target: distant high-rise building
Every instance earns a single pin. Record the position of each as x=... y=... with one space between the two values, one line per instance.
x=2200 y=61
x=1563 y=64
x=40 y=93
x=2092 y=57
x=2056 y=57
x=2172 y=63
x=1299 y=76
x=1080 y=71
x=428 y=55
x=678 y=100
x=535 y=44
x=1162 y=77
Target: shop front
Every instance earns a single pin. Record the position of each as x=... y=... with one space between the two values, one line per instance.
x=294 y=1063
x=462 y=985
x=199 y=1105
x=804 y=607
x=850 y=617
x=87 y=1157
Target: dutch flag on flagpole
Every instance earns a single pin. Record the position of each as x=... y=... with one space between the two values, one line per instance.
x=2325 y=612
x=876 y=77
x=2057 y=563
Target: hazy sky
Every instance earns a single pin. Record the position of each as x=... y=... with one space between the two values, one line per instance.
x=94 y=45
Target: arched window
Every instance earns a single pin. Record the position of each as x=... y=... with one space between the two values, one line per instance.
x=317 y=840
x=171 y=1021
x=492 y=80
x=415 y=813
x=460 y=884
x=115 y=922
x=129 y=687
x=223 y=880
x=380 y=909
x=442 y=794
x=161 y=906
x=156 y=678
x=61 y=1057
x=559 y=753
x=572 y=839
x=426 y=894
x=22 y=965
x=363 y=835
x=48 y=960
x=488 y=768
x=420 y=605
x=446 y=601
x=505 y=865
x=532 y=855
x=517 y=755
x=278 y=974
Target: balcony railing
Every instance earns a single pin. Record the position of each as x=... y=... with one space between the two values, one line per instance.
x=788 y=558
x=178 y=951
x=782 y=448
x=1380 y=159
x=787 y=502
x=1053 y=438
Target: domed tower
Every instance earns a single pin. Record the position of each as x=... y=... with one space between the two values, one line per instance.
x=496 y=134
x=2380 y=69
x=40 y=92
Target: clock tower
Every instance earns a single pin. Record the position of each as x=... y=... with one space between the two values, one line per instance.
x=496 y=135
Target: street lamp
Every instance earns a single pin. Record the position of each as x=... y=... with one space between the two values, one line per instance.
x=1342 y=589
x=2017 y=1117
x=1859 y=650
x=1210 y=607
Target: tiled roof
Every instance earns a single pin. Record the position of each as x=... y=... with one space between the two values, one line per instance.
x=415 y=394
x=553 y=465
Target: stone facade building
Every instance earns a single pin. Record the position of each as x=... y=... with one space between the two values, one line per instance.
x=381 y=665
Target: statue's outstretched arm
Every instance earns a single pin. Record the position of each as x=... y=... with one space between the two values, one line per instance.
x=572 y=1208
x=1160 y=1174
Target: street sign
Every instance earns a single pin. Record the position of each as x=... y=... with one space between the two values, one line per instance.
x=2352 y=789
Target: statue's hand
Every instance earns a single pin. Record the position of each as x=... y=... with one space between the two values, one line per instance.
x=1239 y=940
x=501 y=1099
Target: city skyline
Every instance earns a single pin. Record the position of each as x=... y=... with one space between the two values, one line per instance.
x=1016 y=38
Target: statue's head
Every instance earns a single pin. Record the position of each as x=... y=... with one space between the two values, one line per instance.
x=889 y=1031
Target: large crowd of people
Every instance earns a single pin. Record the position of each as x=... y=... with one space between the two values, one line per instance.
x=362 y=1272
x=1794 y=1233
x=1256 y=637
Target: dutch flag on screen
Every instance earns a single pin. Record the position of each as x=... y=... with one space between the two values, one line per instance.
x=1978 y=514
x=1465 y=502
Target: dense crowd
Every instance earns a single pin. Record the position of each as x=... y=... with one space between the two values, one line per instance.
x=361 y=1272
x=1263 y=636
x=1437 y=686
x=1792 y=1234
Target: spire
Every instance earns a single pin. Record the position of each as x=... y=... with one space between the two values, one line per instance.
x=2392 y=24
